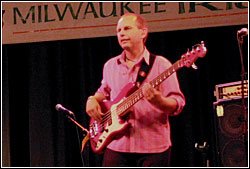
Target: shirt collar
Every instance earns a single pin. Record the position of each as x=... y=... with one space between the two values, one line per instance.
x=145 y=55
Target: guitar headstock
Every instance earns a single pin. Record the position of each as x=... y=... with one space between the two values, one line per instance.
x=198 y=51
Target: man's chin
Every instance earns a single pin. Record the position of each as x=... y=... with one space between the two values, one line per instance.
x=125 y=46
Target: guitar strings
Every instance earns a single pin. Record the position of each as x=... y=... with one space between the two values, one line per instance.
x=129 y=100
x=127 y=103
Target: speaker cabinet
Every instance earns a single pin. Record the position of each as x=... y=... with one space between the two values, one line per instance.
x=231 y=135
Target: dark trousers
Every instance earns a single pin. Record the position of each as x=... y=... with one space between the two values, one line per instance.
x=118 y=159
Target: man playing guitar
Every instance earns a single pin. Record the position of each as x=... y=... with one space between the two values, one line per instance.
x=145 y=139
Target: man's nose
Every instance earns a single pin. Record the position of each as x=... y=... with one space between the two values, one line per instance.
x=121 y=34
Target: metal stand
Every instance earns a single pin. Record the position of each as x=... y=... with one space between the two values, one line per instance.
x=84 y=130
x=243 y=77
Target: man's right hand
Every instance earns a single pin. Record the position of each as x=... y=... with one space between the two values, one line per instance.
x=93 y=109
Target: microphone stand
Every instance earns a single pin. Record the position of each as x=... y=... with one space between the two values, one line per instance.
x=83 y=129
x=243 y=75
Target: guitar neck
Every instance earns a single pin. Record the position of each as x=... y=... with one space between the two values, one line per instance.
x=164 y=75
x=125 y=105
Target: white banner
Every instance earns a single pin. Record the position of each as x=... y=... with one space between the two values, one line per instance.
x=24 y=22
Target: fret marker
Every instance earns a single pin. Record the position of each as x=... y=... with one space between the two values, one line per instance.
x=138 y=84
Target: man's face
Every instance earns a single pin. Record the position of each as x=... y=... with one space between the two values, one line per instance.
x=128 y=34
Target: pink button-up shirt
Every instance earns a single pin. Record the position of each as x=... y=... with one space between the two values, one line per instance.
x=150 y=131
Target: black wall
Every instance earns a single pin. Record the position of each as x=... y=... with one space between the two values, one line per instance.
x=37 y=76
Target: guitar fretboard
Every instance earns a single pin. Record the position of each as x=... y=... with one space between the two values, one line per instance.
x=124 y=106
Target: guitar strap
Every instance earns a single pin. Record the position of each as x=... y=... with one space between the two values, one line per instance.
x=144 y=70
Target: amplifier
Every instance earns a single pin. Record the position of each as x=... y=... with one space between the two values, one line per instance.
x=232 y=90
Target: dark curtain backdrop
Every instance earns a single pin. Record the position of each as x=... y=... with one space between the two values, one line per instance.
x=37 y=76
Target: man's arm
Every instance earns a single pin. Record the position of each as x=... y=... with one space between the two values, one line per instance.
x=166 y=104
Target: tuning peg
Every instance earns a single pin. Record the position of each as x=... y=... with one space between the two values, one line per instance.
x=193 y=50
x=194 y=66
x=198 y=49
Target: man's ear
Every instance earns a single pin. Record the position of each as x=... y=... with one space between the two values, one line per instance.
x=144 y=32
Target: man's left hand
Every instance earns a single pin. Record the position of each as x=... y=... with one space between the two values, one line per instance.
x=151 y=94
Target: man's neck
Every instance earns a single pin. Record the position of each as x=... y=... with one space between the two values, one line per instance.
x=134 y=54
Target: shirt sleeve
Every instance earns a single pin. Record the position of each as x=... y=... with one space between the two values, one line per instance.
x=170 y=87
x=104 y=88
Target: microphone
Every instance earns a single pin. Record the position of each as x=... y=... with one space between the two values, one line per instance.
x=243 y=32
x=59 y=107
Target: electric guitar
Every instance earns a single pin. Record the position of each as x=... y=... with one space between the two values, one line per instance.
x=112 y=125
